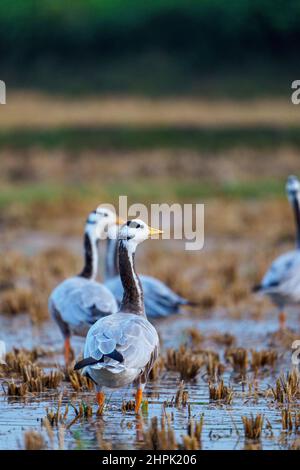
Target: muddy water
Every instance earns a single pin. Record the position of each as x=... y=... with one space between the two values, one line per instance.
x=222 y=424
x=223 y=427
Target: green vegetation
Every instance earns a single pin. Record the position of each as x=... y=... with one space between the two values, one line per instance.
x=133 y=138
x=143 y=191
x=111 y=45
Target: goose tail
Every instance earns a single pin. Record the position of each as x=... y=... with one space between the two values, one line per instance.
x=90 y=361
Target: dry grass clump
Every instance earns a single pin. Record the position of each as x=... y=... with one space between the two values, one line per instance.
x=207 y=301
x=290 y=420
x=157 y=369
x=162 y=437
x=159 y=437
x=34 y=379
x=214 y=368
x=16 y=390
x=37 y=380
x=12 y=266
x=238 y=358
x=78 y=381
x=220 y=392
x=42 y=382
x=56 y=417
x=82 y=411
x=283 y=338
x=195 y=336
x=128 y=406
x=295 y=445
x=40 y=273
x=16 y=300
x=224 y=339
x=18 y=358
x=287 y=387
x=25 y=300
x=182 y=395
x=51 y=380
x=253 y=426
x=183 y=361
x=33 y=440
x=252 y=445
x=192 y=441
x=263 y=358
x=58 y=261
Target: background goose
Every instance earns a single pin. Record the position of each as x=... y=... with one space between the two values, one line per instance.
x=76 y=303
x=122 y=348
x=279 y=278
x=160 y=300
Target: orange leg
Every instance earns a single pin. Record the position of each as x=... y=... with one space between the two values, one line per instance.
x=100 y=401
x=67 y=351
x=138 y=399
x=282 y=320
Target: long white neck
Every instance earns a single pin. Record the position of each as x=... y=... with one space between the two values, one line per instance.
x=133 y=297
x=90 y=268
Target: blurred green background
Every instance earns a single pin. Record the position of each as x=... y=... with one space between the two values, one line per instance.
x=218 y=47
x=164 y=100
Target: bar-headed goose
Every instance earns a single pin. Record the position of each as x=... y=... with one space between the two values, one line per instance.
x=121 y=348
x=160 y=300
x=283 y=268
x=77 y=302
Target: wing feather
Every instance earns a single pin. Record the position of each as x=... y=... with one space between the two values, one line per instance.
x=82 y=301
x=132 y=336
x=280 y=270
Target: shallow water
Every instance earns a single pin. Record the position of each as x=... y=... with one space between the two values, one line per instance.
x=222 y=429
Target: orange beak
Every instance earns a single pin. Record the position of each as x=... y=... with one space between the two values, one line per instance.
x=120 y=221
x=154 y=231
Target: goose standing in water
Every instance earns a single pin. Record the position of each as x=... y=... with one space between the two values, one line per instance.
x=160 y=300
x=77 y=302
x=279 y=278
x=121 y=348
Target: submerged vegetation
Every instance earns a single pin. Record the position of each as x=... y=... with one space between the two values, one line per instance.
x=253 y=426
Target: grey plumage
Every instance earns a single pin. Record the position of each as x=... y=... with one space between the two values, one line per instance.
x=126 y=333
x=79 y=303
x=160 y=301
x=283 y=272
x=131 y=336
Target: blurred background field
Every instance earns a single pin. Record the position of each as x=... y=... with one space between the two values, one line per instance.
x=106 y=97
x=172 y=101
x=166 y=46
x=164 y=101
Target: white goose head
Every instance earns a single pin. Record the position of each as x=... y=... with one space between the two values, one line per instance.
x=100 y=220
x=292 y=188
x=130 y=235
x=134 y=232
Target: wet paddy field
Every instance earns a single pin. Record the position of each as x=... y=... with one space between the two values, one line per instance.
x=221 y=362
x=222 y=423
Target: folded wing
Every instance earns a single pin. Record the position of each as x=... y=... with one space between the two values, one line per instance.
x=83 y=301
x=133 y=337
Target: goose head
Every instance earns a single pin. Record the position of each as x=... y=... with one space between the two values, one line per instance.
x=136 y=231
x=101 y=220
x=292 y=188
